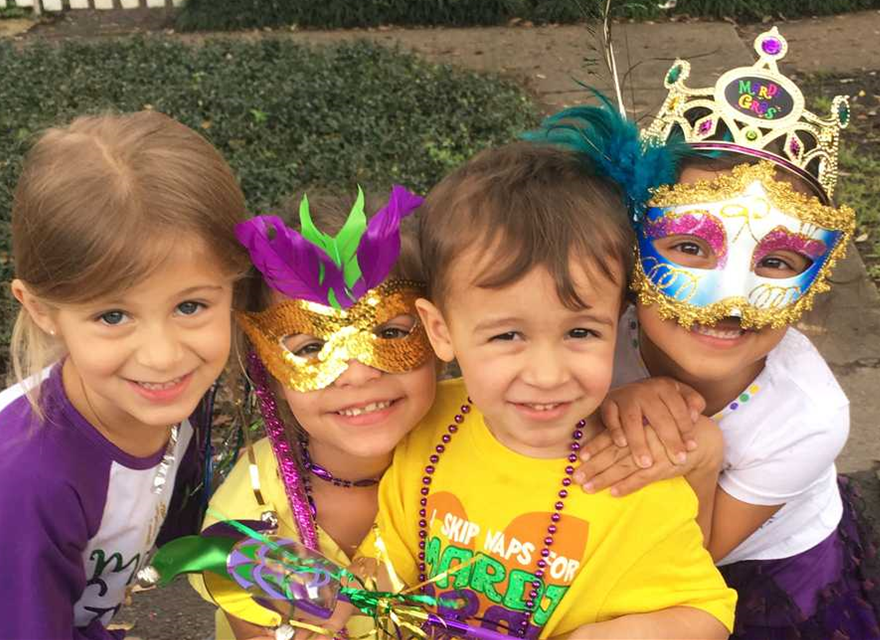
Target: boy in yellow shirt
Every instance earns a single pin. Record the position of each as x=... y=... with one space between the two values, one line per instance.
x=527 y=253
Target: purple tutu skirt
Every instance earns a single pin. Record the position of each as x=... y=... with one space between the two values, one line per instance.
x=825 y=593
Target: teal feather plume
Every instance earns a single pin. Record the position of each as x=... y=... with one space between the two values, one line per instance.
x=614 y=146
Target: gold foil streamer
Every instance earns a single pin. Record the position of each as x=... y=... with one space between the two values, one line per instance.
x=348 y=334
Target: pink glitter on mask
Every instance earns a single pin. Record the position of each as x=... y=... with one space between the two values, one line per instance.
x=781 y=239
x=700 y=224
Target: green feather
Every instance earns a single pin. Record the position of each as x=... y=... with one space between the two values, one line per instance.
x=341 y=248
x=310 y=232
x=348 y=239
x=332 y=301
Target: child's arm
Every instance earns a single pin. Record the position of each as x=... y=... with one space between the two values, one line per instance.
x=676 y=623
x=45 y=533
x=733 y=521
x=793 y=454
x=246 y=631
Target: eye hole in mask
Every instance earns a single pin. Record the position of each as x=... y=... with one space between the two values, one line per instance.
x=307 y=346
x=783 y=254
x=771 y=261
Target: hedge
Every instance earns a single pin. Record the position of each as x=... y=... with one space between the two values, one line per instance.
x=285 y=116
x=231 y=15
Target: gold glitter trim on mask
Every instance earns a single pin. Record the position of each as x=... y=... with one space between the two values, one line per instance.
x=782 y=195
x=751 y=317
x=348 y=334
x=807 y=209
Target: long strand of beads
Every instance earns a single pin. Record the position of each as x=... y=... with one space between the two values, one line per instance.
x=287 y=463
x=451 y=430
x=534 y=595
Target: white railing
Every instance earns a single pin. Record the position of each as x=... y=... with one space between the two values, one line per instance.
x=60 y=5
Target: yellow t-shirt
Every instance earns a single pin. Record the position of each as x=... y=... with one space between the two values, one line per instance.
x=235 y=499
x=609 y=556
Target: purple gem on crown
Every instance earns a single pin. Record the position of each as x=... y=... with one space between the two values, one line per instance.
x=795 y=146
x=771 y=46
x=705 y=126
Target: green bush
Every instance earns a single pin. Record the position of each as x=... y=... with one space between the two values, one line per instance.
x=285 y=116
x=229 y=15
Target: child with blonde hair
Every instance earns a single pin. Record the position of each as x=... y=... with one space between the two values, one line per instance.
x=126 y=262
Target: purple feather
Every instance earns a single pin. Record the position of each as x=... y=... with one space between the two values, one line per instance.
x=289 y=263
x=380 y=245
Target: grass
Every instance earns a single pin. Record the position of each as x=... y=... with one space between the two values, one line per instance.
x=14 y=13
x=229 y=15
x=859 y=156
x=859 y=189
x=285 y=116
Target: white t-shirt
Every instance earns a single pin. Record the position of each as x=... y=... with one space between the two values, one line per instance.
x=781 y=436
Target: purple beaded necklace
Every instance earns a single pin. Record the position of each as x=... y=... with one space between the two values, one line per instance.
x=324 y=474
x=552 y=527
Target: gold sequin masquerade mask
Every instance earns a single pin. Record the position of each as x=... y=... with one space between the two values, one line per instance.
x=361 y=332
x=741 y=218
x=339 y=296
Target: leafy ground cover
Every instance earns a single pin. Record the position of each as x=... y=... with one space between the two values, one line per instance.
x=286 y=117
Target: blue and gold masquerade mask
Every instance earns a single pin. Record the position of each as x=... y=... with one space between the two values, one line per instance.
x=742 y=217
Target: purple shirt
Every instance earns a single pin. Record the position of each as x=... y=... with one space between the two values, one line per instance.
x=78 y=517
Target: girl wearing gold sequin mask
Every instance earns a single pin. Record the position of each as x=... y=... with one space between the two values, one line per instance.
x=342 y=370
x=728 y=260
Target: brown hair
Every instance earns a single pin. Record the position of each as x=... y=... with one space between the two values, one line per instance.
x=96 y=204
x=726 y=161
x=542 y=205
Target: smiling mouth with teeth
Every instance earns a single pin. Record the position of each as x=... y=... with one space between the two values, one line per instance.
x=369 y=408
x=160 y=386
x=728 y=332
x=542 y=407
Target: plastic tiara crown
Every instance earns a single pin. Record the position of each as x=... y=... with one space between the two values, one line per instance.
x=756 y=111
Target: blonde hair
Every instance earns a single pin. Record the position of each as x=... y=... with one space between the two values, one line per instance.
x=94 y=208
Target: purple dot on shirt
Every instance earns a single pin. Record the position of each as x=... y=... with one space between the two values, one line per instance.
x=734 y=405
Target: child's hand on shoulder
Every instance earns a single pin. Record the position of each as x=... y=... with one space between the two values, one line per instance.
x=608 y=465
x=670 y=407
